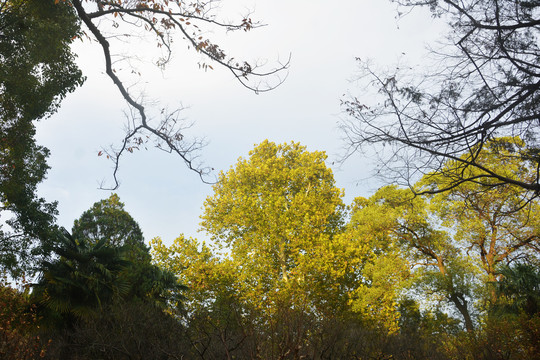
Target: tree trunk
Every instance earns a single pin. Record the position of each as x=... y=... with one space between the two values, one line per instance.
x=461 y=305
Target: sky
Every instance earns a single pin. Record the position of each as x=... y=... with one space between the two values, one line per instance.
x=163 y=196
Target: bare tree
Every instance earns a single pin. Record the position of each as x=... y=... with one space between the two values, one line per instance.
x=484 y=84
x=166 y=20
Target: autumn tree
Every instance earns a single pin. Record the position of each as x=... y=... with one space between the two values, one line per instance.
x=483 y=84
x=219 y=323
x=457 y=241
x=285 y=276
x=276 y=211
x=37 y=71
x=19 y=339
x=493 y=221
x=276 y=283
x=407 y=249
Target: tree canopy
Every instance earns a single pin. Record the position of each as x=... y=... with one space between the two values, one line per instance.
x=289 y=193
x=108 y=220
x=291 y=272
x=109 y=223
x=446 y=267
x=83 y=280
x=278 y=263
x=455 y=242
x=38 y=70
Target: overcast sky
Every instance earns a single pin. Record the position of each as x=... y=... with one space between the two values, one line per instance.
x=163 y=196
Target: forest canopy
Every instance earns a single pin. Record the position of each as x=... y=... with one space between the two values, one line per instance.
x=442 y=263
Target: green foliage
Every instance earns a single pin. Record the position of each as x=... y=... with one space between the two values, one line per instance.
x=37 y=72
x=86 y=294
x=39 y=68
x=82 y=281
x=108 y=220
x=519 y=290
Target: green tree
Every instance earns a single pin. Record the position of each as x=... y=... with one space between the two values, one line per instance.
x=38 y=68
x=519 y=290
x=84 y=279
x=513 y=324
x=37 y=71
x=107 y=221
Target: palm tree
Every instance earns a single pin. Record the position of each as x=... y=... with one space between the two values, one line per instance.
x=519 y=290
x=82 y=280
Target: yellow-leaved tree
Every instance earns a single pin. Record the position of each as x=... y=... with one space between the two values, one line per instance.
x=276 y=213
x=278 y=272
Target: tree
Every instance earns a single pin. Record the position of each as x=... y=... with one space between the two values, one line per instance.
x=38 y=70
x=513 y=324
x=519 y=290
x=456 y=241
x=107 y=221
x=402 y=249
x=222 y=322
x=276 y=283
x=166 y=20
x=82 y=281
x=484 y=85
x=38 y=66
x=18 y=321
x=276 y=212
x=219 y=323
x=493 y=221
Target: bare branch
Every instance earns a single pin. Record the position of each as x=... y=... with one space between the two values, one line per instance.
x=161 y=18
x=485 y=86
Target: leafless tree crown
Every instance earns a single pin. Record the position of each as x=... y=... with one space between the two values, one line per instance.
x=167 y=20
x=484 y=85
